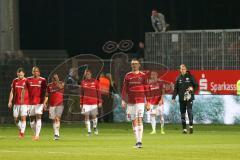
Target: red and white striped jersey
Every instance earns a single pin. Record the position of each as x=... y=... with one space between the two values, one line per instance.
x=20 y=92
x=89 y=92
x=134 y=88
x=36 y=88
x=155 y=91
x=55 y=94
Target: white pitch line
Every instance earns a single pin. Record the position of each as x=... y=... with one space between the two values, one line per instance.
x=12 y=151
x=7 y=151
x=59 y=153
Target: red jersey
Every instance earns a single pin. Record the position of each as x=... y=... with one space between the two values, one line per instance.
x=134 y=88
x=155 y=92
x=90 y=93
x=55 y=94
x=20 y=92
x=36 y=89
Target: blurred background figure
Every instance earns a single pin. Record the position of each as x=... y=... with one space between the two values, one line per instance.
x=107 y=92
x=71 y=94
x=140 y=52
x=158 y=21
x=112 y=92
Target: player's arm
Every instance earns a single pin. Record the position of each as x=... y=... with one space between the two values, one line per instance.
x=147 y=93
x=194 y=84
x=162 y=94
x=81 y=94
x=124 y=92
x=60 y=84
x=175 y=91
x=161 y=100
x=23 y=94
x=46 y=100
x=10 y=98
x=99 y=97
x=43 y=89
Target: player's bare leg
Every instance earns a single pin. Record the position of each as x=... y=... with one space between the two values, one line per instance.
x=135 y=131
x=88 y=124
x=162 y=120
x=23 y=126
x=18 y=124
x=33 y=124
x=38 y=126
x=140 y=131
x=153 y=123
x=56 y=128
x=95 y=121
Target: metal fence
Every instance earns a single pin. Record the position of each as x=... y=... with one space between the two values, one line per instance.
x=198 y=49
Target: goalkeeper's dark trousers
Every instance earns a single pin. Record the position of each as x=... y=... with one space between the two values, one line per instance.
x=186 y=106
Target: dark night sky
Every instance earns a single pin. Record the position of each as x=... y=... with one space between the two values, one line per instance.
x=81 y=26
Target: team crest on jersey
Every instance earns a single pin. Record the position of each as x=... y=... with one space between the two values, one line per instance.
x=187 y=80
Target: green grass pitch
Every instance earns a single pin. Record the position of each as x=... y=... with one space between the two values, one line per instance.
x=115 y=142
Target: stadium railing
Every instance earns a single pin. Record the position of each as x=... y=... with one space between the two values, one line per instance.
x=199 y=49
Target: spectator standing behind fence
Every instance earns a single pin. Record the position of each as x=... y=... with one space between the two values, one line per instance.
x=158 y=21
x=140 y=51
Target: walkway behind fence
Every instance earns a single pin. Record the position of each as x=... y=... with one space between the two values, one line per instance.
x=199 y=49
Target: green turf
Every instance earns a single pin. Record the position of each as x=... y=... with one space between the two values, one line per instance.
x=115 y=142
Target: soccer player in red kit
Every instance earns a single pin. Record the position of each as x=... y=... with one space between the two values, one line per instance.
x=19 y=97
x=36 y=88
x=134 y=96
x=90 y=100
x=54 y=97
x=156 y=91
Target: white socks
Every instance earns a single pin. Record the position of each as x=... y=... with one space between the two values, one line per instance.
x=33 y=126
x=95 y=120
x=138 y=133
x=56 y=127
x=148 y=116
x=153 y=123
x=23 y=126
x=88 y=125
x=135 y=130
x=38 y=126
x=19 y=125
x=162 y=122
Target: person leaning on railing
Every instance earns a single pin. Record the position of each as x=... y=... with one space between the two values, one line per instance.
x=158 y=21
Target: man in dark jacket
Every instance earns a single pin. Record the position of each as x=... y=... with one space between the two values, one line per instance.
x=184 y=87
